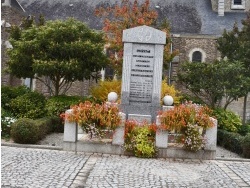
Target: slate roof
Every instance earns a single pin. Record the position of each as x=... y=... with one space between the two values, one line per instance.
x=185 y=16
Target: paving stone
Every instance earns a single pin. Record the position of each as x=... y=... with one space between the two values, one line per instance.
x=43 y=168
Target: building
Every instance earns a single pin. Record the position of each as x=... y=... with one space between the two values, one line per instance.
x=195 y=26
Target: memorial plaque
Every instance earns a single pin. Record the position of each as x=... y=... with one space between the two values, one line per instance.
x=142 y=72
x=141 y=80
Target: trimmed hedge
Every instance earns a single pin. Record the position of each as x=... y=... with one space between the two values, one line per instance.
x=244 y=129
x=246 y=146
x=25 y=131
x=229 y=140
x=28 y=131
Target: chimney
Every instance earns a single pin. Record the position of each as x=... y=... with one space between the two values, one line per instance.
x=221 y=5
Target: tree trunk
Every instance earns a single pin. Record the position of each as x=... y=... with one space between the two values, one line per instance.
x=244 y=109
x=57 y=87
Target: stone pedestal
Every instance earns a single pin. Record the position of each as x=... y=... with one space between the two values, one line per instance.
x=70 y=130
x=118 y=136
x=211 y=136
x=161 y=137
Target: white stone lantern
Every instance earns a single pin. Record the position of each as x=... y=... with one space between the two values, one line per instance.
x=168 y=100
x=112 y=97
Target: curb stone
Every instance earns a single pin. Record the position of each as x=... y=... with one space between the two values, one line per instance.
x=232 y=159
x=61 y=148
x=31 y=146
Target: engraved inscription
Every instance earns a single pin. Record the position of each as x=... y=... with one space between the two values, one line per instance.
x=141 y=82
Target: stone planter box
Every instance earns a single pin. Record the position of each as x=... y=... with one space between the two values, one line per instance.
x=109 y=148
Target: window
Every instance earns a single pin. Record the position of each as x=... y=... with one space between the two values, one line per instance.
x=238 y=4
x=28 y=82
x=197 y=56
x=109 y=73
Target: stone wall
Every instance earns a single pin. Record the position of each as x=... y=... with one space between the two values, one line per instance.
x=237 y=107
x=186 y=43
x=12 y=17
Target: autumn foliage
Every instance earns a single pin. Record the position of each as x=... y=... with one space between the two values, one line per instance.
x=180 y=116
x=94 y=118
x=124 y=16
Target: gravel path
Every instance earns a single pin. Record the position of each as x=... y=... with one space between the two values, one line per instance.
x=56 y=139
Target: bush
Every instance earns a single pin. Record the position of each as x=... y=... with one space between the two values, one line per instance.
x=244 y=129
x=230 y=140
x=25 y=131
x=30 y=105
x=227 y=120
x=57 y=124
x=169 y=90
x=246 y=146
x=8 y=93
x=140 y=140
x=59 y=104
x=51 y=124
x=103 y=88
x=44 y=125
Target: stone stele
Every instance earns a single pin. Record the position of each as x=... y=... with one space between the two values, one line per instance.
x=142 y=71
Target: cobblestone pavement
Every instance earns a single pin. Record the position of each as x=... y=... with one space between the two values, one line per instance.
x=48 y=168
x=38 y=168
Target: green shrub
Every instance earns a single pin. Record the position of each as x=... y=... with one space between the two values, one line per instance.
x=25 y=131
x=140 y=140
x=244 y=129
x=50 y=124
x=8 y=93
x=57 y=124
x=227 y=120
x=30 y=105
x=44 y=125
x=229 y=140
x=246 y=146
x=58 y=104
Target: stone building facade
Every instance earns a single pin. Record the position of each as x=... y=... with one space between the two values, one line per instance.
x=224 y=6
x=9 y=16
x=195 y=27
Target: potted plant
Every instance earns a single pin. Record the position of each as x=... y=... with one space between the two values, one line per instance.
x=246 y=146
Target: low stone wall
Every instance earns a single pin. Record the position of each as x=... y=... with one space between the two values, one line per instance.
x=71 y=143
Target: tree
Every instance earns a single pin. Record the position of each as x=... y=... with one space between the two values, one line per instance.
x=125 y=16
x=62 y=51
x=235 y=45
x=211 y=82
